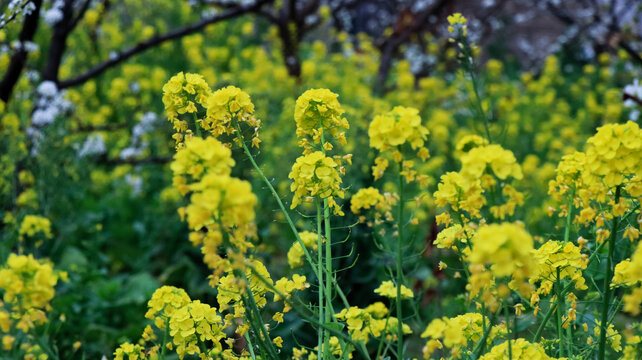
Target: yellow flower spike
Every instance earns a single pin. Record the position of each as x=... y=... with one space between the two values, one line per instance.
x=227 y=104
x=389 y=290
x=315 y=174
x=317 y=111
x=33 y=224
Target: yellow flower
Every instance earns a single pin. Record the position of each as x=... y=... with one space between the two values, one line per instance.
x=521 y=350
x=399 y=126
x=33 y=224
x=507 y=248
x=296 y=253
x=315 y=174
x=164 y=302
x=389 y=290
x=199 y=157
x=227 y=104
x=318 y=112
x=365 y=199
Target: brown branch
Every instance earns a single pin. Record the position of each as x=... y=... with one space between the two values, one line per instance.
x=19 y=58
x=58 y=43
x=627 y=96
x=157 y=40
x=403 y=32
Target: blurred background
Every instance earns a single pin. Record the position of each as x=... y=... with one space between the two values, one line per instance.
x=84 y=141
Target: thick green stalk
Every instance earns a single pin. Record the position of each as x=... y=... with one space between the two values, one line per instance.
x=165 y=335
x=197 y=127
x=320 y=335
x=250 y=347
x=400 y=222
x=607 y=283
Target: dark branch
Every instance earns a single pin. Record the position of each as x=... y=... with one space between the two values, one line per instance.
x=157 y=40
x=58 y=44
x=627 y=96
x=19 y=58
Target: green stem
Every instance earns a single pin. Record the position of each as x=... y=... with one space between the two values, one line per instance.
x=303 y=311
x=320 y=335
x=196 y=126
x=607 y=283
x=308 y=257
x=328 y=270
x=508 y=331
x=569 y=216
x=400 y=222
x=560 y=309
x=542 y=325
x=257 y=318
x=250 y=346
x=165 y=335
x=480 y=107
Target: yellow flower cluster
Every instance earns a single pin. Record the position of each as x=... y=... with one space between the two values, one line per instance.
x=180 y=95
x=296 y=253
x=194 y=324
x=221 y=208
x=450 y=237
x=502 y=162
x=629 y=273
x=365 y=198
x=33 y=224
x=614 y=154
x=460 y=193
x=507 y=248
x=225 y=109
x=28 y=287
x=554 y=255
x=457 y=25
x=389 y=131
x=482 y=165
x=164 y=302
x=225 y=105
x=397 y=127
x=232 y=289
x=612 y=158
x=371 y=198
x=520 y=349
x=334 y=347
x=316 y=175
x=199 y=157
x=456 y=333
x=129 y=351
x=370 y=322
x=318 y=115
x=389 y=290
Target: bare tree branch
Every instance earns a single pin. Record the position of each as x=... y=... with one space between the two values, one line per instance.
x=627 y=96
x=157 y=40
x=19 y=58
x=58 y=44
